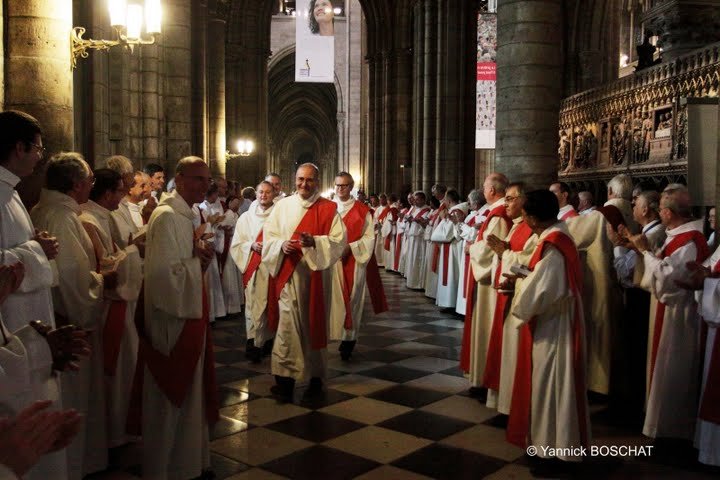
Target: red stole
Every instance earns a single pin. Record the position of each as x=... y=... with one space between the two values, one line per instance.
x=710 y=400
x=385 y=213
x=569 y=214
x=114 y=327
x=354 y=222
x=394 y=212
x=436 y=245
x=520 y=408
x=675 y=244
x=316 y=221
x=491 y=378
x=398 y=244
x=273 y=310
x=174 y=373
x=501 y=214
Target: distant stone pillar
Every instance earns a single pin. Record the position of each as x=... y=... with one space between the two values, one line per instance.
x=199 y=90
x=216 y=95
x=529 y=80
x=38 y=78
x=418 y=84
x=429 y=94
x=178 y=80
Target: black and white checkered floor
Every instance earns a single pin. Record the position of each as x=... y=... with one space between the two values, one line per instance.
x=398 y=410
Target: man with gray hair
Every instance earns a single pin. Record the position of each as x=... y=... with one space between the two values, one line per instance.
x=468 y=233
x=175 y=361
x=674 y=352
x=415 y=253
x=78 y=299
x=302 y=239
x=587 y=203
x=632 y=335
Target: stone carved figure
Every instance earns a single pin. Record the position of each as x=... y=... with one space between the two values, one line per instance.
x=618 y=144
x=564 y=150
x=681 y=134
x=579 y=150
x=591 y=148
x=647 y=130
x=604 y=136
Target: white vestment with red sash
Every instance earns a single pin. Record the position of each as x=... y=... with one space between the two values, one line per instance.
x=401 y=239
x=567 y=212
x=344 y=323
x=415 y=253
x=549 y=404
x=301 y=338
x=378 y=217
x=119 y=337
x=78 y=299
x=388 y=232
x=481 y=293
x=500 y=369
x=707 y=437
x=176 y=363
x=448 y=244
x=255 y=275
x=468 y=232
x=674 y=337
x=432 y=253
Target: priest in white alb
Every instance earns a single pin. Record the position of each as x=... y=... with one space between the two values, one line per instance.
x=468 y=233
x=450 y=253
x=388 y=232
x=261 y=309
x=673 y=339
x=176 y=365
x=303 y=238
x=119 y=336
x=417 y=220
x=78 y=299
x=481 y=286
x=549 y=403
x=355 y=271
x=378 y=217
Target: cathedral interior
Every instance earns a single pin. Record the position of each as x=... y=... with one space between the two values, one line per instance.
x=584 y=90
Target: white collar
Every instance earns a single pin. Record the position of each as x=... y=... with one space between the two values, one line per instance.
x=8 y=177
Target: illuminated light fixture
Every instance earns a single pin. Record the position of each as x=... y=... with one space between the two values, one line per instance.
x=127 y=19
x=245 y=148
x=337 y=10
x=624 y=60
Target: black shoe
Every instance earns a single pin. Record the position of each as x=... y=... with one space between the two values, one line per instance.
x=283 y=390
x=316 y=385
x=267 y=347
x=346 y=348
x=478 y=393
x=253 y=353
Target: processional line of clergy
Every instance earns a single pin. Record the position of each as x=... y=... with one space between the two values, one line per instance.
x=110 y=285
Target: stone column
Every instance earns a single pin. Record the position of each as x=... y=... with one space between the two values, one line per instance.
x=418 y=69
x=529 y=67
x=153 y=148
x=429 y=94
x=199 y=68
x=402 y=131
x=177 y=36
x=38 y=79
x=216 y=94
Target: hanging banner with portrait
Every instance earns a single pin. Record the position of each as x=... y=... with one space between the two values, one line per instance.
x=315 y=41
x=486 y=77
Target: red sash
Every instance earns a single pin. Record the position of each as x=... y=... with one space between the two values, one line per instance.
x=174 y=373
x=675 y=244
x=493 y=360
x=388 y=239
x=500 y=213
x=422 y=212
x=384 y=214
x=518 y=428
x=569 y=214
x=354 y=222
x=273 y=310
x=316 y=221
x=114 y=327
x=710 y=400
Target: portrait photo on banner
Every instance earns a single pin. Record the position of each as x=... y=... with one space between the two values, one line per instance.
x=315 y=41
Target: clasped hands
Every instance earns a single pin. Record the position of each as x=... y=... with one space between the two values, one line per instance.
x=291 y=246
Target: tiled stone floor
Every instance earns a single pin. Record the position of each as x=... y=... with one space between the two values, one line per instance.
x=398 y=410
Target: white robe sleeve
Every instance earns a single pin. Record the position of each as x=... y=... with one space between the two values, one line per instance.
x=328 y=248
x=242 y=241
x=444 y=232
x=273 y=239
x=364 y=248
x=482 y=256
x=543 y=288
x=38 y=272
x=660 y=275
x=710 y=302
x=624 y=262
x=130 y=275
x=167 y=272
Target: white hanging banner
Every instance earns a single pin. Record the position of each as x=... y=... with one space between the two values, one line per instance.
x=486 y=76
x=315 y=41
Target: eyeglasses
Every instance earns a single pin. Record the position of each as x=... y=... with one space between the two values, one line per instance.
x=41 y=149
x=342 y=185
